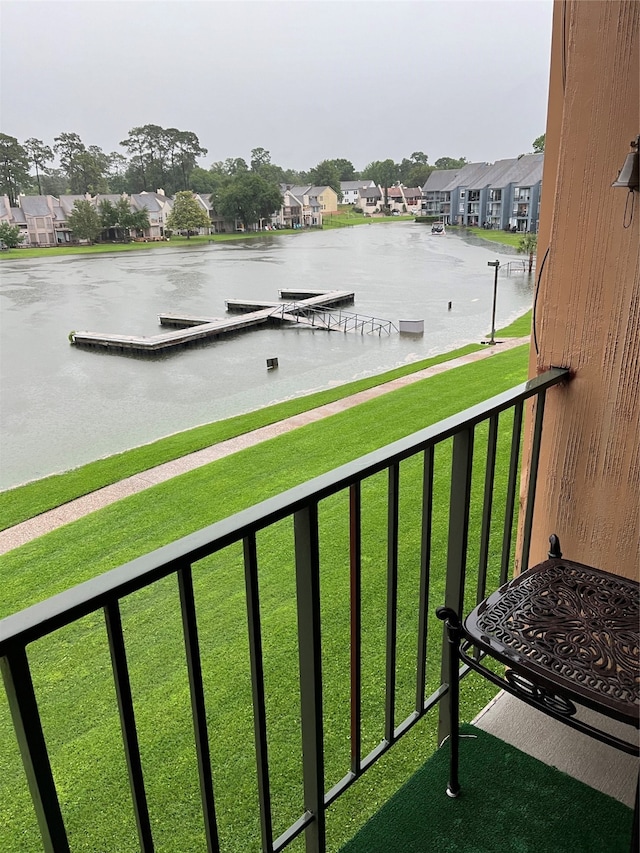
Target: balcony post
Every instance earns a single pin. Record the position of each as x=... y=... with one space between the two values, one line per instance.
x=33 y=749
x=308 y=602
x=456 y=554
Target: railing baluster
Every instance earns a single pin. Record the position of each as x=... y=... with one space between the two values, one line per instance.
x=355 y=562
x=198 y=709
x=533 y=479
x=392 y=600
x=511 y=492
x=128 y=724
x=257 y=689
x=460 y=499
x=485 y=533
x=425 y=569
x=309 y=650
x=33 y=749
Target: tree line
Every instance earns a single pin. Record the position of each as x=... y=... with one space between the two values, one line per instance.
x=167 y=158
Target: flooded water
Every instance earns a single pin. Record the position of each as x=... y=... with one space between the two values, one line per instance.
x=62 y=406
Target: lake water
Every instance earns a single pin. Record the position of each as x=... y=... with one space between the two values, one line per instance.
x=62 y=406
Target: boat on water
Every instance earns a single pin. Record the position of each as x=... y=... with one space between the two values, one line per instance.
x=438 y=228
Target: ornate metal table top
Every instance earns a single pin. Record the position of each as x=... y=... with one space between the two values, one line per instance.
x=573 y=628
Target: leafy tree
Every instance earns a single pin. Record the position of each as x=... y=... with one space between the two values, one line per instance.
x=248 y=198
x=55 y=183
x=184 y=149
x=259 y=157
x=414 y=171
x=116 y=173
x=234 y=166
x=202 y=181
x=187 y=215
x=538 y=144
x=39 y=155
x=14 y=168
x=84 y=221
x=67 y=146
x=450 y=163
x=10 y=235
x=295 y=178
x=528 y=245
x=346 y=169
x=326 y=174
x=162 y=157
x=85 y=167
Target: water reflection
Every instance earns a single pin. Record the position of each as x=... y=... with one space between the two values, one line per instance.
x=63 y=406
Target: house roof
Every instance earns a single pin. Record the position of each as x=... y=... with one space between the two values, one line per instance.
x=297 y=191
x=492 y=176
x=370 y=192
x=67 y=201
x=203 y=198
x=439 y=179
x=395 y=192
x=35 y=205
x=471 y=173
x=526 y=170
x=346 y=186
x=5 y=209
x=114 y=198
x=147 y=201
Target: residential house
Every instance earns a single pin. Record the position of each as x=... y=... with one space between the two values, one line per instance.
x=351 y=190
x=413 y=198
x=41 y=219
x=158 y=207
x=396 y=200
x=371 y=199
x=314 y=202
x=290 y=214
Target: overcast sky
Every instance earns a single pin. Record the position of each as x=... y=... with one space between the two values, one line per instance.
x=308 y=81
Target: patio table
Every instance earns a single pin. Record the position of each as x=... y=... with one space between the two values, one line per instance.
x=568 y=634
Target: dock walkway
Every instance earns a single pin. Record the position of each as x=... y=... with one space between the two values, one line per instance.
x=196 y=329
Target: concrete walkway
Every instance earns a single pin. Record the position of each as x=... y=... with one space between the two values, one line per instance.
x=22 y=533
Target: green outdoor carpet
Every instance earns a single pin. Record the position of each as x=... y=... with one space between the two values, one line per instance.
x=510 y=803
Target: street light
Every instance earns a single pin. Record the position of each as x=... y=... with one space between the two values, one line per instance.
x=496 y=265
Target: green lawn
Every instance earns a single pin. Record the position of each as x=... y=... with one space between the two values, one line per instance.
x=72 y=672
x=27 y=501
x=102 y=248
x=496 y=236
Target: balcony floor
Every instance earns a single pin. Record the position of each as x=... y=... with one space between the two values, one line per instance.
x=600 y=766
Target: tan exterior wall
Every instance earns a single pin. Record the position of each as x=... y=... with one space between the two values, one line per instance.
x=328 y=199
x=587 y=314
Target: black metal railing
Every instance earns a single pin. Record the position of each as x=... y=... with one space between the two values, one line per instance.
x=481 y=426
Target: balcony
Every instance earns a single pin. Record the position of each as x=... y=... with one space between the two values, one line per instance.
x=345 y=664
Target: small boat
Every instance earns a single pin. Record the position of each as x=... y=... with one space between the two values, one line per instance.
x=438 y=228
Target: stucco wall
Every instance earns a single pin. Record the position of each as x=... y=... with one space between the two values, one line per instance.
x=587 y=314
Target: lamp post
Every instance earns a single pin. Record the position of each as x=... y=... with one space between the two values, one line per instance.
x=496 y=266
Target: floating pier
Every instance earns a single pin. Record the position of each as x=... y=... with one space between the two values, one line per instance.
x=192 y=329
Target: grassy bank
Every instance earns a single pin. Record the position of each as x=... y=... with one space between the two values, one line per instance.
x=505 y=238
x=27 y=501
x=71 y=670
x=108 y=248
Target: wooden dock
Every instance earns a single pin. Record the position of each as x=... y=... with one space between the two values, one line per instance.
x=192 y=329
